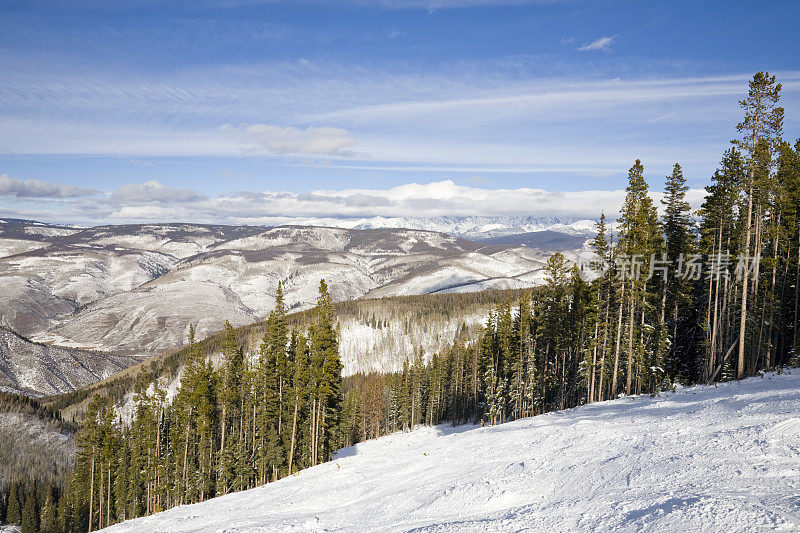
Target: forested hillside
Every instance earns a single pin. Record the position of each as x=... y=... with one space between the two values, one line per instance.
x=36 y=456
x=375 y=335
x=672 y=299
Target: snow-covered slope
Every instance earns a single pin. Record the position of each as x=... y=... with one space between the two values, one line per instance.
x=47 y=272
x=723 y=458
x=468 y=227
x=134 y=289
x=39 y=370
x=235 y=280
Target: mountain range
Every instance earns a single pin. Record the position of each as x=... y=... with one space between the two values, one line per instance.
x=133 y=290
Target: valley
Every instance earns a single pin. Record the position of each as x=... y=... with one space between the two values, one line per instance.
x=130 y=292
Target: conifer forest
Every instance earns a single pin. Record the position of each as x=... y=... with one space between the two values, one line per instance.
x=661 y=297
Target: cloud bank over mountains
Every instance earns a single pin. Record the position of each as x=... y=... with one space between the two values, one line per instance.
x=154 y=201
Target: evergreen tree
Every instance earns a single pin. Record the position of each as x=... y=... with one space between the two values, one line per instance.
x=326 y=377
x=49 y=518
x=677 y=297
x=640 y=240
x=14 y=506
x=30 y=514
x=763 y=122
x=231 y=399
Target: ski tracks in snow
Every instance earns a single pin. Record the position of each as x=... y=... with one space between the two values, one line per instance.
x=723 y=458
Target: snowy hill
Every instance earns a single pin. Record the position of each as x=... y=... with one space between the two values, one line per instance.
x=39 y=370
x=723 y=458
x=135 y=289
x=469 y=227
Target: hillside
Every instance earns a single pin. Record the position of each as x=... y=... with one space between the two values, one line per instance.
x=134 y=289
x=34 y=442
x=477 y=228
x=41 y=370
x=375 y=335
x=703 y=458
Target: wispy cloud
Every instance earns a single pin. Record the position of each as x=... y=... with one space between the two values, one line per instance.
x=29 y=188
x=602 y=44
x=260 y=138
x=475 y=116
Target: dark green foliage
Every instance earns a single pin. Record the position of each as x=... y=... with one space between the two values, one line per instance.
x=252 y=420
x=276 y=401
x=30 y=515
x=16 y=497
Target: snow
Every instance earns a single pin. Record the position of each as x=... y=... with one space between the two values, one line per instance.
x=10 y=247
x=474 y=227
x=41 y=370
x=364 y=348
x=723 y=458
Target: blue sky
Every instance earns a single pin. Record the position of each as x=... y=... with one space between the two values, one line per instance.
x=248 y=111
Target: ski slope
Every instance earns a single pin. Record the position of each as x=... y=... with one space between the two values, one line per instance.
x=723 y=458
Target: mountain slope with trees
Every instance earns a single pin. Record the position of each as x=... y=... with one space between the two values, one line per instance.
x=704 y=458
x=669 y=301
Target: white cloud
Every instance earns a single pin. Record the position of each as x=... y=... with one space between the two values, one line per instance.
x=155 y=202
x=20 y=188
x=260 y=138
x=442 y=198
x=153 y=191
x=603 y=44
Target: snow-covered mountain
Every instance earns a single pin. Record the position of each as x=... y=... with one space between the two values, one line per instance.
x=39 y=370
x=134 y=289
x=719 y=458
x=469 y=227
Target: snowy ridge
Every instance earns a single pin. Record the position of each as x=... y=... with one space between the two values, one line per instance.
x=723 y=458
x=474 y=227
x=39 y=370
x=235 y=280
x=134 y=289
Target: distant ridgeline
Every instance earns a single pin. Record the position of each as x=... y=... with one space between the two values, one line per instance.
x=672 y=300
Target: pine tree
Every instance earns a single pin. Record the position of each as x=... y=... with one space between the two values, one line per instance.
x=49 y=518
x=30 y=514
x=231 y=397
x=763 y=121
x=640 y=239
x=601 y=302
x=677 y=294
x=14 y=506
x=326 y=376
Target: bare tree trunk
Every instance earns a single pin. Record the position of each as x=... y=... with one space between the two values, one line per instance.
x=743 y=315
x=590 y=384
x=186 y=462
x=630 y=345
x=91 y=494
x=614 y=377
x=796 y=291
x=294 y=431
x=603 y=354
x=100 y=498
x=772 y=306
x=715 y=322
x=108 y=499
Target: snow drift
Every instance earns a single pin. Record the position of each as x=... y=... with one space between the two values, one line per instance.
x=702 y=458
